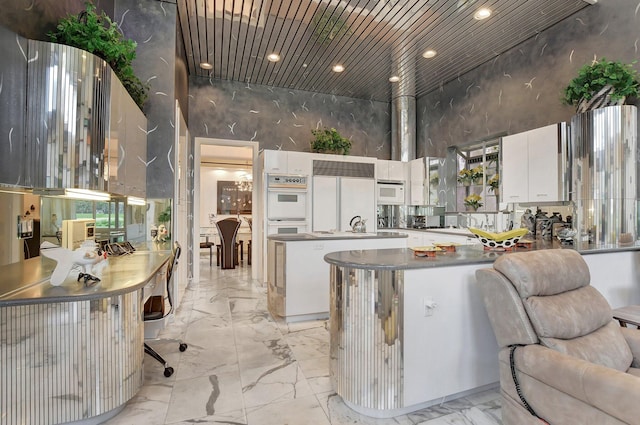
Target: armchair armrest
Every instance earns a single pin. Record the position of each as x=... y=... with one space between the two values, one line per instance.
x=606 y=389
x=632 y=336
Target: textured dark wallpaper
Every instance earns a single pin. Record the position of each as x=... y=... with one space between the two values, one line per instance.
x=283 y=119
x=522 y=88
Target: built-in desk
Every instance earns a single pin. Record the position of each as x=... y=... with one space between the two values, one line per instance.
x=71 y=352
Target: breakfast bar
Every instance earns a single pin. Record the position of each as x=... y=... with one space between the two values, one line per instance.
x=72 y=352
x=408 y=332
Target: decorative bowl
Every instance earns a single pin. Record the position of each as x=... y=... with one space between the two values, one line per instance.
x=499 y=241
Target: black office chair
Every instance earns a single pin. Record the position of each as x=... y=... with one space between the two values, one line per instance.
x=155 y=315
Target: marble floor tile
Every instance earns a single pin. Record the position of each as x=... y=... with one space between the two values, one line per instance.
x=244 y=367
x=301 y=411
x=205 y=396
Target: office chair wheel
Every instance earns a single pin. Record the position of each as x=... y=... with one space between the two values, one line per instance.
x=168 y=371
x=183 y=347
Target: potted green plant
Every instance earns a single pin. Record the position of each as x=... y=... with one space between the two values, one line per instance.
x=472 y=202
x=494 y=184
x=465 y=176
x=602 y=83
x=330 y=141
x=97 y=34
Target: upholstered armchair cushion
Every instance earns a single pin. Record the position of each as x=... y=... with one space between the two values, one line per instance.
x=569 y=314
x=632 y=336
x=541 y=371
x=507 y=315
x=545 y=273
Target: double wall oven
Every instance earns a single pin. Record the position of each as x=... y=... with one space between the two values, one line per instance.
x=287 y=204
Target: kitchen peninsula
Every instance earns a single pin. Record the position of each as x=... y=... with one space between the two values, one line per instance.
x=408 y=332
x=298 y=277
x=72 y=352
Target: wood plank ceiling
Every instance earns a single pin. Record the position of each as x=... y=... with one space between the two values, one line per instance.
x=372 y=39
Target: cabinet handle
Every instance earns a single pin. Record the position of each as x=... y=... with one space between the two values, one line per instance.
x=542 y=194
x=514 y=196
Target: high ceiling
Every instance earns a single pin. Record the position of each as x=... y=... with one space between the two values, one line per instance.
x=372 y=39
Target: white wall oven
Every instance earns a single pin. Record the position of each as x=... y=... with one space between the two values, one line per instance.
x=287 y=209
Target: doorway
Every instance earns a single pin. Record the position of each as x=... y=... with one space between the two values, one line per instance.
x=224 y=172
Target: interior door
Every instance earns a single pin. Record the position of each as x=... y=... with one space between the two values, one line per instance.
x=325 y=203
x=357 y=197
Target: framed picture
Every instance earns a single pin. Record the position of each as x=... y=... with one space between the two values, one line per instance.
x=233 y=198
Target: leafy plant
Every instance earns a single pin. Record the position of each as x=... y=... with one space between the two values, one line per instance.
x=328 y=26
x=97 y=34
x=594 y=78
x=330 y=141
x=494 y=182
x=473 y=201
x=165 y=216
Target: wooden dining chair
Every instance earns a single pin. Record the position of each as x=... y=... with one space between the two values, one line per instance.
x=228 y=230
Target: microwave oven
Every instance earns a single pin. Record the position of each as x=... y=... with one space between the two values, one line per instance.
x=390 y=193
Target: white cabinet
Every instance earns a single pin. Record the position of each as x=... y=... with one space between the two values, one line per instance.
x=336 y=200
x=532 y=166
x=391 y=170
x=287 y=162
x=416 y=179
x=299 y=163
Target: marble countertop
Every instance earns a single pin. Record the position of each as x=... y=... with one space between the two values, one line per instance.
x=27 y=282
x=313 y=236
x=404 y=258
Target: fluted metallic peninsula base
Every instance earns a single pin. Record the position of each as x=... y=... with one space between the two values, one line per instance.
x=64 y=362
x=366 y=353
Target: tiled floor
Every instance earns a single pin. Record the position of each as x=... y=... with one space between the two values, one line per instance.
x=244 y=367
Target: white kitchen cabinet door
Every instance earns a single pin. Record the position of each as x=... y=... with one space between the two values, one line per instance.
x=357 y=197
x=325 y=203
x=382 y=169
x=417 y=194
x=275 y=162
x=299 y=163
x=397 y=171
x=544 y=177
x=515 y=166
x=416 y=170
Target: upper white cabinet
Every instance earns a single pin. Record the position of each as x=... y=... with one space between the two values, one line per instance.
x=391 y=170
x=416 y=179
x=532 y=165
x=287 y=162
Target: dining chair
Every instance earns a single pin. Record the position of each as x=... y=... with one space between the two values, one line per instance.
x=228 y=230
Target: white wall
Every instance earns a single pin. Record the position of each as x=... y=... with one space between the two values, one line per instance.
x=209 y=177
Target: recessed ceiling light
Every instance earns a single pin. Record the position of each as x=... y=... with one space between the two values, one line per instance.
x=206 y=65
x=429 y=54
x=338 y=68
x=481 y=14
x=273 y=57
x=394 y=78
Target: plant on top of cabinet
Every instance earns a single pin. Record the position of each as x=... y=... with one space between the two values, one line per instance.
x=602 y=83
x=472 y=202
x=330 y=141
x=98 y=35
x=465 y=176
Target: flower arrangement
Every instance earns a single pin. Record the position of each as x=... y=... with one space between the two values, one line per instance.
x=477 y=173
x=465 y=176
x=494 y=183
x=434 y=180
x=473 y=201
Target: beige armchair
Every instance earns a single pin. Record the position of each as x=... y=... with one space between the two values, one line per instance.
x=574 y=364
